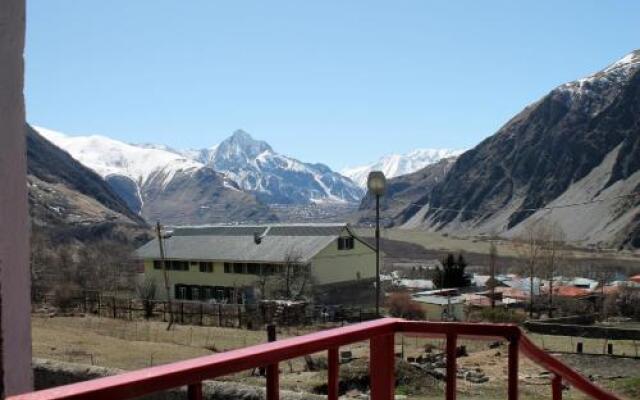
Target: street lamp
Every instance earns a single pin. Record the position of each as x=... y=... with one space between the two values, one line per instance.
x=376 y=183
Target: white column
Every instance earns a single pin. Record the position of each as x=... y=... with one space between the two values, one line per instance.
x=15 y=327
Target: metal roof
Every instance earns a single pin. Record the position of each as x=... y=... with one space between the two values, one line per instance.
x=236 y=243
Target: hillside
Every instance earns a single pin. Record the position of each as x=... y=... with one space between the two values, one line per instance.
x=70 y=201
x=579 y=146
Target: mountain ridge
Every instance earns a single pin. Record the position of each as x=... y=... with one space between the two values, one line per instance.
x=577 y=144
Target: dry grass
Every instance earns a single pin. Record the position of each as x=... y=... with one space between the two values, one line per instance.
x=132 y=345
x=437 y=241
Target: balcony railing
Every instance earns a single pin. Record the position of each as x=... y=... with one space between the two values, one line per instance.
x=380 y=334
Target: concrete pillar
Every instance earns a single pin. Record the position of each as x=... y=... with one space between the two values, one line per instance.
x=15 y=327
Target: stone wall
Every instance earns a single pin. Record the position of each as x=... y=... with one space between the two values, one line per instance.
x=585 y=331
x=48 y=373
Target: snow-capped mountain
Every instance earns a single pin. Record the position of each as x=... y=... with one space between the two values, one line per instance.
x=159 y=183
x=571 y=159
x=276 y=178
x=399 y=164
x=109 y=157
x=145 y=175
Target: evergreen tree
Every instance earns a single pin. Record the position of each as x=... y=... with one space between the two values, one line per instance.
x=452 y=274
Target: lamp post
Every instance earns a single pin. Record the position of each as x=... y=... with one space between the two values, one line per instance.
x=376 y=183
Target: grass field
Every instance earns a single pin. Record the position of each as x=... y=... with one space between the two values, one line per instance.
x=131 y=345
x=437 y=241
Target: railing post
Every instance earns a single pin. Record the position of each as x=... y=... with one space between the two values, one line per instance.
x=556 y=387
x=333 y=380
x=452 y=343
x=381 y=367
x=512 y=368
x=273 y=371
x=194 y=391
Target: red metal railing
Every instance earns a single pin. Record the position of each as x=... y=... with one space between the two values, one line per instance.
x=380 y=334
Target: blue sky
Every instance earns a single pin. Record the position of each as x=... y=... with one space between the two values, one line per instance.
x=340 y=82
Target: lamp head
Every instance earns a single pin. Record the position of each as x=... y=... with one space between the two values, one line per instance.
x=376 y=182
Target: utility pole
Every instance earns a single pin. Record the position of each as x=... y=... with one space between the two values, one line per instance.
x=165 y=272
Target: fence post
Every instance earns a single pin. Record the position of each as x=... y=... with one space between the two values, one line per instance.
x=452 y=343
x=381 y=367
x=512 y=368
x=115 y=310
x=239 y=316
x=201 y=313
x=273 y=384
x=556 y=387
x=194 y=391
x=333 y=380
x=182 y=312
x=219 y=314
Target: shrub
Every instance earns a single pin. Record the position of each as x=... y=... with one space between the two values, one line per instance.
x=63 y=297
x=501 y=315
x=400 y=305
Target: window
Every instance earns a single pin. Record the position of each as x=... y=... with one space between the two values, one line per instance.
x=345 y=243
x=206 y=266
x=253 y=269
x=238 y=268
x=227 y=268
x=268 y=269
x=177 y=265
x=195 y=293
x=207 y=292
x=157 y=264
x=180 y=292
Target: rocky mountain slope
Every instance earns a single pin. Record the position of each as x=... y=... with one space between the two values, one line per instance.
x=275 y=178
x=573 y=158
x=160 y=184
x=69 y=201
x=402 y=193
x=399 y=164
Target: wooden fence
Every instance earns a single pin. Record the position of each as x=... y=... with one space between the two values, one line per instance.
x=251 y=316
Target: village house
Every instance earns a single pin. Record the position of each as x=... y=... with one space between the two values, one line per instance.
x=441 y=304
x=226 y=263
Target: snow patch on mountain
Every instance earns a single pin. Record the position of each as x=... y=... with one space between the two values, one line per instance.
x=109 y=157
x=274 y=177
x=399 y=164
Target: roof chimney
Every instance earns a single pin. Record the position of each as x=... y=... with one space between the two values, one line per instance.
x=257 y=236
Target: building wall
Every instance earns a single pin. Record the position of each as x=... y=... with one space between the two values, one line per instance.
x=328 y=267
x=15 y=322
x=433 y=312
x=332 y=265
x=194 y=277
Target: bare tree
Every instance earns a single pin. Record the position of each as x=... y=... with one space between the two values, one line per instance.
x=292 y=281
x=493 y=255
x=529 y=248
x=146 y=290
x=552 y=239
